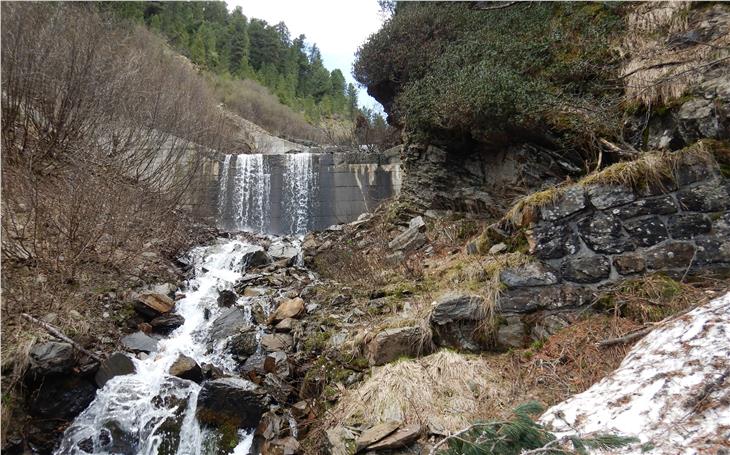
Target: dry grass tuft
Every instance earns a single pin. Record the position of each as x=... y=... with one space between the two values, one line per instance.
x=659 y=69
x=444 y=391
x=522 y=209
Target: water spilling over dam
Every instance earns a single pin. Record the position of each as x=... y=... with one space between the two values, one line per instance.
x=297 y=192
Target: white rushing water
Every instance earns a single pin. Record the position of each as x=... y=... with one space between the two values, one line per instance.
x=246 y=196
x=151 y=412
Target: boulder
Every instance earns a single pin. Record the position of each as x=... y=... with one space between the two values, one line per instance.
x=167 y=323
x=230 y=322
x=185 y=367
x=255 y=256
x=402 y=437
x=226 y=298
x=531 y=274
x=273 y=342
x=375 y=434
x=283 y=250
x=290 y=308
x=231 y=401
x=151 y=304
x=243 y=344
x=391 y=344
x=139 y=342
x=62 y=397
x=589 y=269
x=118 y=364
x=52 y=357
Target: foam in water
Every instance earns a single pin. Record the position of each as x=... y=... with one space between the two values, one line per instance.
x=151 y=412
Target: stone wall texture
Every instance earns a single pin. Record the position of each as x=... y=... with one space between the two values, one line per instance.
x=596 y=235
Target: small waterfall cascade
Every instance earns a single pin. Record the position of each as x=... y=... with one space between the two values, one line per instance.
x=150 y=412
x=267 y=193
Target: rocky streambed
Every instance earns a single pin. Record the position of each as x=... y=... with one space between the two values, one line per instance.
x=208 y=366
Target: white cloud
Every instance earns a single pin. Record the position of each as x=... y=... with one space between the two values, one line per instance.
x=338 y=27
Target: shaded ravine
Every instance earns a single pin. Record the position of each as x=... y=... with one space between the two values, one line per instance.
x=150 y=411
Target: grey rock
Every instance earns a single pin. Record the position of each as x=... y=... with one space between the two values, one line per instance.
x=408 y=240
x=525 y=300
x=670 y=255
x=589 y=269
x=255 y=256
x=712 y=250
x=230 y=322
x=231 y=401
x=571 y=201
x=512 y=333
x=552 y=241
x=277 y=342
x=52 y=357
x=391 y=344
x=721 y=226
x=606 y=196
x=375 y=434
x=455 y=321
x=661 y=205
x=139 y=342
x=547 y=326
x=687 y=225
x=279 y=389
x=243 y=344
x=498 y=248
x=402 y=437
x=167 y=323
x=185 y=367
x=417 y=223
x=697 y=120
x=151 y=305
x=602 y=233
x=629 y=263
x=117 y=364
x=647 y=231
x=531 y=274
x=457 y=307
x=283 y=250
x=61 y=397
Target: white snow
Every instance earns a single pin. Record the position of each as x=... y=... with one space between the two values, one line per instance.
x=659 y=393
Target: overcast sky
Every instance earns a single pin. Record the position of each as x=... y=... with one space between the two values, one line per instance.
x=338 y=27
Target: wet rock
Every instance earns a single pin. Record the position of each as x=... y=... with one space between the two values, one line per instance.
x=606 y=196
x=231 y=401
x=511 y=334
x=571 y=201
x=375 y=434
x=402 y=437
x=211 y=371
x=276 y=342
x=117 y=364
x=670 y=255
x=552 y=241
x=243 y=344
x=662 y=205
x=52 y=357
x=62 y=397
x=602 y=233
x=226 y=298
x=167 y=323
x=531 y=274
x=151 y=305
x=185 y=367
x=391 y=344
x=707 y=197
x=589 y=269
x=255 y=257
x=629 y=263
x=139 y=342
x=230 y=322
x=687 y=225
x=291 y=308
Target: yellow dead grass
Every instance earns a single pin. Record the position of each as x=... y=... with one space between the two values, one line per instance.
x=444 y=391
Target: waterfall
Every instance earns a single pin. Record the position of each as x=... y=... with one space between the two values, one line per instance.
x=248 y=201
x=299 y=186
x=150 y=412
